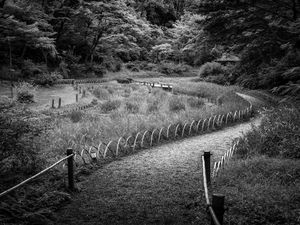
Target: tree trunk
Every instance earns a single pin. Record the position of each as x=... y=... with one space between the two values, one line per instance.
x=94 y=45
x=23 y=52
x=59 y=32
x=294 y=8
x=45 y=54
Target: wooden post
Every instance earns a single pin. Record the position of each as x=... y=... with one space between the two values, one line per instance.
x=79 y=89
x=76 y=97
x=52 y=104
x=207 y=166
x=59 y=102
x=70 y=169
x=83 y=93
x=218 y=206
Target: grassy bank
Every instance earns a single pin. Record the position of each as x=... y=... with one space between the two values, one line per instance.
x=262 y=183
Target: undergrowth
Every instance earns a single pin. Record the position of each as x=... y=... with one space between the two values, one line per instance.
x=262 y=182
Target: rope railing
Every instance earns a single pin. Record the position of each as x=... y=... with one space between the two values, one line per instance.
x=69 y=157
x=205 y=185
x=148 y=138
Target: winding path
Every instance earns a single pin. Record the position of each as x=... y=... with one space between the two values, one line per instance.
x=161 y=185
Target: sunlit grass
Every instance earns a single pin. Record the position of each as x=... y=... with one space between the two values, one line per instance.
x=128 y=109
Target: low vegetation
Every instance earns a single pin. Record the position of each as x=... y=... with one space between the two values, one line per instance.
x=25 y=92
x=261 y=184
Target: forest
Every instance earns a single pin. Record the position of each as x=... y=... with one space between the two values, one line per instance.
x=88 y=38
x=131 y=93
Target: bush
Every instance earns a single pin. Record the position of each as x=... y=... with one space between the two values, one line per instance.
x=75 y=116
x=101 y=93
x=132 y=107
x=153 y=106
x=6 y=102
x=219 y=79
x=195 y=102
x=176 y=104
x=173 y=69
x=47 y=79
x=110 y=105
x=211 y=69
x=25 y=92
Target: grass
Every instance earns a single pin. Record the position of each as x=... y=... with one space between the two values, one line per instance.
x=262 y=183
x=121 y=110
x=261 y=190
x=129 y=109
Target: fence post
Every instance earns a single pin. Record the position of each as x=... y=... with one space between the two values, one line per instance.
x=218 y=206
x=70 y=169
x=76 y=97
x=52 y=106
x=59 y=102
x=207 y=166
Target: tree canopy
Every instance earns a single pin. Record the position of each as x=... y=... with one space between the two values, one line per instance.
x=89 y=37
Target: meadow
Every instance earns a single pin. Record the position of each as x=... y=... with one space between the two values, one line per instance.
x=122 y=110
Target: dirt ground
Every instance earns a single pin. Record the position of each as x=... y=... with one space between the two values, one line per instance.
x=161 y=185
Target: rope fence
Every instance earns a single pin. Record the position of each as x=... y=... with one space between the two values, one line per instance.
x=69 y=158
x=148 y=138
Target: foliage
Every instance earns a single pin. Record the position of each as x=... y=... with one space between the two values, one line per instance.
x=258 y=188
x=25 y=92
x=172 y=69
x=47 y=79
x=264 y=174
x=211 y=69
x=264 y=36
x=75 y=116
x=277 y=136
x=195 y=102
x=6 y=103
x=19 y=142
x=176 y=104
x=132 y=107
x=101 y=93
x=110 y=105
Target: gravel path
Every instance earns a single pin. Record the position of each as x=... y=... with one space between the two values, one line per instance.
x=161 y=185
